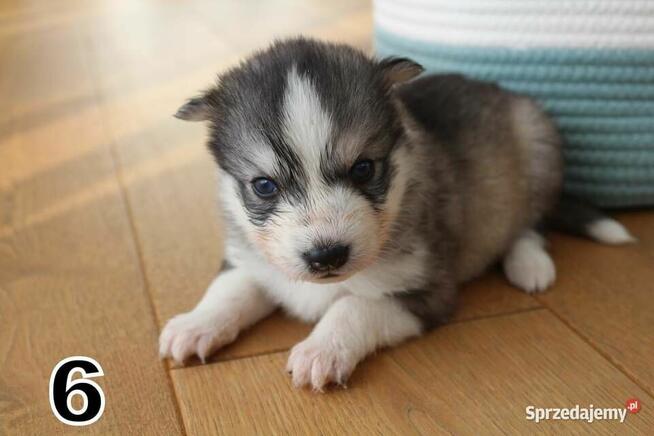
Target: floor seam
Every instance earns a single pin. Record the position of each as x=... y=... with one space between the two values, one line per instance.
x=146 y=281
x=598 y=350
x=118 y=172
x=231 y=359
x=495 y=315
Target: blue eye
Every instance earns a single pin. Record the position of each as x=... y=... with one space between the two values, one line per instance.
x=362 y=171
x=264 y=188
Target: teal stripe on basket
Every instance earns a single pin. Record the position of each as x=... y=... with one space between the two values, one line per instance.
x=602 y=100
x=565 y=90
x=534 y=56
x=516 y=71
x=616 y=196
x=627 y=176
x=609 y=158
x=593 y=124
x=599 y=107
x=627 y=142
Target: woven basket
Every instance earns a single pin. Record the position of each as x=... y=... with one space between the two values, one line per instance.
x=589 y=63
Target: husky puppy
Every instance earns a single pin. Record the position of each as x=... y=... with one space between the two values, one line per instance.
x=358 y=198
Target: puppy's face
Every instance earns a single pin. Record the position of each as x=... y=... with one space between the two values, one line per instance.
x=307 y=137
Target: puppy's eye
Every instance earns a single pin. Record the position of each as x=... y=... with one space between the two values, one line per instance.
x=264 y=188
x=362 y=171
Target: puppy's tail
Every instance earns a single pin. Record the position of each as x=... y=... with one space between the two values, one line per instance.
x=582 y=219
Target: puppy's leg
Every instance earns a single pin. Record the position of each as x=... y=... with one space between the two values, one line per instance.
x=527 y=265
x=232 y=303
x=352 y=328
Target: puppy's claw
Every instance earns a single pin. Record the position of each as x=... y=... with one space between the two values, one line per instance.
x=318 y=364
x=204 y=347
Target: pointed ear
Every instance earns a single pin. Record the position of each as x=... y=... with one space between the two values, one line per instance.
x=195 y=109
x=398 y=70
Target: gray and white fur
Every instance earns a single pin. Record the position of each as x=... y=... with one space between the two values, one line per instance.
x=359 y=197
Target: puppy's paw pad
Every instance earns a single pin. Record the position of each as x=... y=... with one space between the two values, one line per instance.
x=318 y=363
x=195 y=333
x=530 y=270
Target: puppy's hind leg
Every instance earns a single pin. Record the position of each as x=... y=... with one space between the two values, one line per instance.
x=527 y=264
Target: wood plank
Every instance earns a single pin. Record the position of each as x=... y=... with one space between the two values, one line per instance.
x=299 y=17
x=70 y=282
x=606 y=294
x=640 y=223
x=469 y=378
x=353 y=28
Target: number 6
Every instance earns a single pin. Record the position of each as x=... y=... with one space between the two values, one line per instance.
x=63 y=388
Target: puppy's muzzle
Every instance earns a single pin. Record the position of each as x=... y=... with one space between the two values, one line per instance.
x=327 y=258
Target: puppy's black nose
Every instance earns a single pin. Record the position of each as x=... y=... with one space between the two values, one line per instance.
x=327 y=258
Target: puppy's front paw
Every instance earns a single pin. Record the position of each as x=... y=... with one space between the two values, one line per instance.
x=198 y=333
x=318 y=362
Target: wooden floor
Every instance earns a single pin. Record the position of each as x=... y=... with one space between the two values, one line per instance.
x=108 y=227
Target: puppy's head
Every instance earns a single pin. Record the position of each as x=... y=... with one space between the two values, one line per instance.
x=306 y=135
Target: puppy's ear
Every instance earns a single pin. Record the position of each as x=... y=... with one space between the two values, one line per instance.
x=195 y=109
x=398 y=70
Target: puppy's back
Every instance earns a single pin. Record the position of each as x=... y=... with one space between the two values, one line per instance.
x=504 y=155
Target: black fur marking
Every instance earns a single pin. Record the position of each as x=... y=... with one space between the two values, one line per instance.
x=291 y=176
x=432 y=307
x=258 y=209
x=378 y=148
x=226 y=266
x=448 y=105
x=375 y=190
x=574 y=216
x=345 y=80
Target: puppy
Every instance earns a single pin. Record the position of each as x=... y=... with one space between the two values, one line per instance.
x=358 y=198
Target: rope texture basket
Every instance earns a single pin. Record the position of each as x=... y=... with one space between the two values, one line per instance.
x=590 y=63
